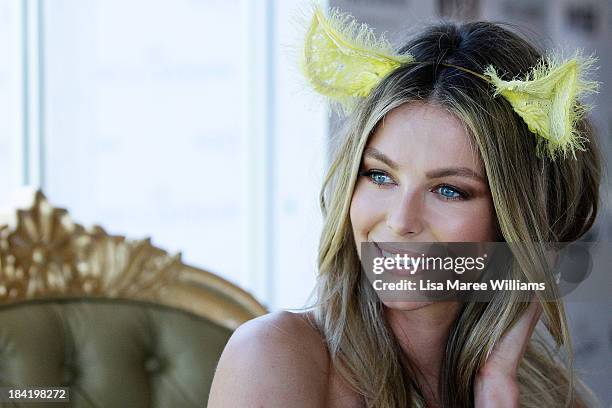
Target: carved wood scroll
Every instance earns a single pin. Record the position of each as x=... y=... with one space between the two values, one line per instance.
x=47 y=255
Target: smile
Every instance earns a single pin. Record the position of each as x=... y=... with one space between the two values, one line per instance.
x=408 y=263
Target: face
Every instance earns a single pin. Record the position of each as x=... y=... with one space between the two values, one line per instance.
x=421 y=181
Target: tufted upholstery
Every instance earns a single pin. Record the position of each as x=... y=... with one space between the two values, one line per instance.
x=111 y=353
x=119 y=322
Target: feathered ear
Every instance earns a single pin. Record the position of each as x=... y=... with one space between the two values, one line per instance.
x=548 y=101
x=343 y=59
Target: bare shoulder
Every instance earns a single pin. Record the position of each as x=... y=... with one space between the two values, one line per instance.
x=282 y=334
x=275 y=360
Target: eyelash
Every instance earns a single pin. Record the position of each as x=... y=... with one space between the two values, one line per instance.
x=374 y=172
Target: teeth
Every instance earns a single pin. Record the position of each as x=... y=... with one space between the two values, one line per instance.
x=406 y=262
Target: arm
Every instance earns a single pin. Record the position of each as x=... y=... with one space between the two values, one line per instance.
x=272 y=361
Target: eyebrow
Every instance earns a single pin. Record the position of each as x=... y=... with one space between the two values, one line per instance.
x=438 y=173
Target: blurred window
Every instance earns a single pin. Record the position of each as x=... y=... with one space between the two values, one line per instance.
x=11 y=102
x=144 y=107
x=180 y=120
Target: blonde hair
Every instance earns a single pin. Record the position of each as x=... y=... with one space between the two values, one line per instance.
x=535 y=200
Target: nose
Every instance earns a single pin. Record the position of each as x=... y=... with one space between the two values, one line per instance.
x=405 y=217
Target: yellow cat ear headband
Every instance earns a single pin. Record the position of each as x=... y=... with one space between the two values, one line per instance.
x=344 y=61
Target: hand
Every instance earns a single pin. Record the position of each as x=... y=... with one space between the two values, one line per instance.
x=496 y=384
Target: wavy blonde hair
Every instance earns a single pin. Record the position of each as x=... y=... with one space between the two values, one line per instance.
x=535 y=200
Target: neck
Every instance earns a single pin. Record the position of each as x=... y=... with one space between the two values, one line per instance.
x=422 y=334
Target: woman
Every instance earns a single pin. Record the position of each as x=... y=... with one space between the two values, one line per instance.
x=432 y=153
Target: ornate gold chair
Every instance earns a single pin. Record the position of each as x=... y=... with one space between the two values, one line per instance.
x=120 y=322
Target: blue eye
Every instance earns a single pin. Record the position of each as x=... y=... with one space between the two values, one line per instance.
x=380 y=178
x=450 y=193
x=377 y=177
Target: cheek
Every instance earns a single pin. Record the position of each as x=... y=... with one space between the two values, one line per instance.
x=466 y=223
x=365 y=213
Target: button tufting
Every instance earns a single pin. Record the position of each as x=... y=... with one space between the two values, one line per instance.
x=152 y=364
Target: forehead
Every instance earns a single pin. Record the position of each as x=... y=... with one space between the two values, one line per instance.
x=425 y=135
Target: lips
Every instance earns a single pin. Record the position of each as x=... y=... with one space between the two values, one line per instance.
x=393 y=249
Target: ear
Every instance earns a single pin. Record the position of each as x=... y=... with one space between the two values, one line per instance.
x=547 y=100
x=344 y=60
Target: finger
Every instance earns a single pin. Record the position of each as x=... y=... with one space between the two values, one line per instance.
x=509 y=351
